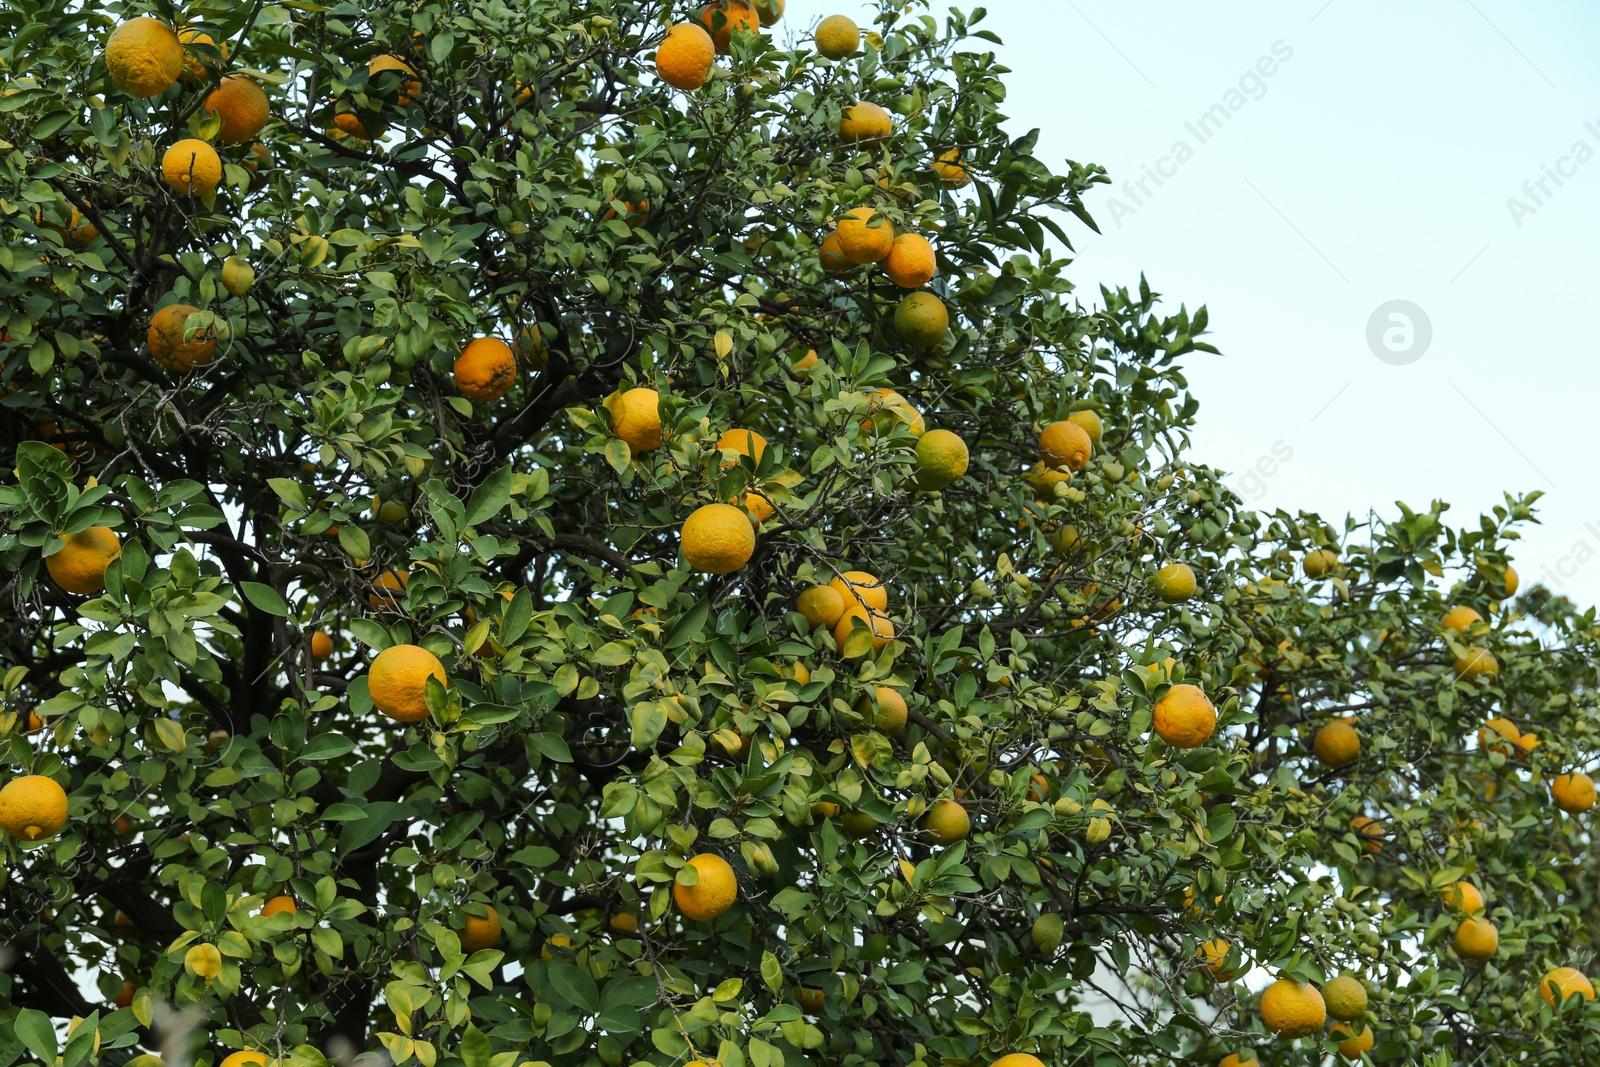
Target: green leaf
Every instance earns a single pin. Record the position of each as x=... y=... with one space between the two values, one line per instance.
x=575 y=987
x=353 y=539
x=37 y=1034
x=490 y=497
x=265 y=598
x=475 y=1049
x=327 y=746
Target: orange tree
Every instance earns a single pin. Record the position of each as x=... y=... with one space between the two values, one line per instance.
x=599 y=532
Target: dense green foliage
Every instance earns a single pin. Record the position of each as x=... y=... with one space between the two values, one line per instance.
x=609 y=711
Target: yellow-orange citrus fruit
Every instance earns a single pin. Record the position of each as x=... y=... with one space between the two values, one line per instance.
x=858 y=824
x=124 y=995
x=1337 y=743
x=258 y=157
x=1214 y=957
x=321 y=645
x=838 y=37
x=1463 y=896
x=1174 y=583
x=398 y=681
x=1476 y=939
x=144 y=57
x=167 y=345
x=713 y=894
x=242 y=105
x=409 y=88
x=911 y=262
x=801 y=368
x=486 y=369
x=1065 y=444
x=1370 y=831
x=1017 y=1059
x=1459 y=618
x=821 y=605
x=32 y=807
x=724 y=17
x=888 y=408
x=1345 y=997
x=1477 y=663
x=1044 y=479
x=769 y=10
x=1292 y=1009
x=478 y=932
x=203 y=961
x=949 y=169
x=1352 y=1043
x=237 y=276
x=920 y=319
x=881 y=628
x=349 y=123
x=244 y=1059
x=1090 y=423
x=831 y=254
x=388 y=589
x=859 y=587
x=636 y=418
x=1508 y=581
x=1559 y=983
x=1573 y=792
x=79 y=566
x=717 y=539
x=942 y=459
x=279 y=904
x=890 y=714
x=194 y=66
x=947 y=821
x=745 y=442
x=864 y=122
x=684 y=59
x=865 y=235
x=1238 y=1059
x=192 y=167
x=1320 y=562
x=626 y=921
x=1184 y=717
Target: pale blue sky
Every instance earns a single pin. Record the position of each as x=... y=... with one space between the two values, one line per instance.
x=1375 y=163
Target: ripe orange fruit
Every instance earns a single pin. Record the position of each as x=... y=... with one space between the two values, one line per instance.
x=242 y=105
x=124 y=995
x=192 y=167
x=1320 y=562
x=486 y=369
x=144 y=56
x=194 y=66
x=717 y=539
x=920 y=319
x=321 y=645
x=860 y=588
x=837 y=37
x=79 y=566
x=1174 y=583
x=1563 y=982
x=1292 y=1009
x=942 y=459
x=166 y=340
x=349 y=124
x=1477 y=663
x=398 y=681
x=821 y=605
x=1573 y=792
x=1184 y=717
x=685 y=57
x=1459 y=618
x=258 y=157
x=881 y=628
x=626 y=921
x=1214 y=958
x=714 y=892
x=636 y=418
x=388 y=590
x=1065 y=444
x=1018 y=1059
x=801 y=368
x=1370 y=831
x=1239 y=1059
x=479 y=932
x=1354 y=1043
x=947 y=821
x=890 y=712
x=408 y=89
x=889 y=407
x=1337 y=743
x=745 y=442
x=949 y=169
x=244 y=1059
x=865 y=235
x=32 y=807
x=1463 y=896
x=864 y=122
x=1476 y=939
x=279 y=904
x=725 y=17
x=911 y=262
x=831 y=255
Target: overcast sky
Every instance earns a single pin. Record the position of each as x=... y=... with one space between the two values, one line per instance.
x=1441 y=153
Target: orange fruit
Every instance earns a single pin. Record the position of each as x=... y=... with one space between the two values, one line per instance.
x=258 y=157
x=1459 y=618
x=1214 y=958
x=942 y=459
x=279 y=904
x=144 y=57
x=408 y=89
x=865 y=235
x=1573 y=792
x=1477 y=663
x=1237 y=1059
x=1184 y=717
x=1337 y=743
x=837 y=37
x=242 y=105
x=1563 y=982
x=745 y=442
x=889 y=407
x=192 y=167
x=479 y=932
x=625 y=921
x=349 y=124
x=821 y=605
x=717 y=539
x=1017 y=1059
x=911 y=262
x=636 y=418
x=1463 y=896
x=949 y=169
x=864 y=122
x=714 y=892
x=881 y=628
x=947 y=821
x=1345 y=997
x=166 y=340
x=1174 y=583
x=685 y=57
x=889 y=714
x=801 y=368
x=124 y=995
x=920 y=319
x=1320 y=562
x=79 y=566
x=1476 y=939
x=398 y=681
x=244 y=1059
x=859 y=587
x=32 y=807
x=194 y=65
x=486 y=369
x=831 y=254
x=1090 y=423
x=725 y=17
x=389 y=589
x=1370 y=831
x=321 y=645
x=1292 y=1009
x=1352 y=1043
x=1065 y=444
